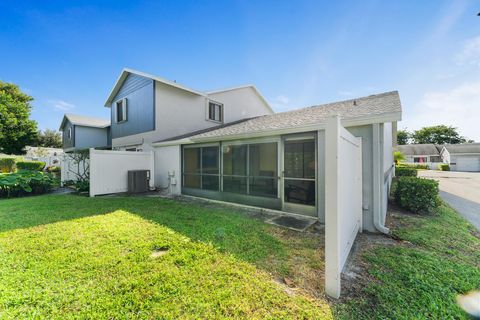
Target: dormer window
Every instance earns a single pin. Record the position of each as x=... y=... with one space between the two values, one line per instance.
x=121 y=110
x=215 y=111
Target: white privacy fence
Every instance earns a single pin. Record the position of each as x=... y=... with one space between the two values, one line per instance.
x=343 y=200
x=109 y=169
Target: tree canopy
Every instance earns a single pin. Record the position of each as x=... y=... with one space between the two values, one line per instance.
x=403 y=137
x=49 y=139
x=440 y=134
x=16 y=128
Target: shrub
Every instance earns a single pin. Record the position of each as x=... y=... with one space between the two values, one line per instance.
x=82 y=186
x=405 y=172
x=31 y=165
x=444 y=167
x=7 y=164
x=53 y=169
x=414 y=166
x=416 y=194
x=24 y=182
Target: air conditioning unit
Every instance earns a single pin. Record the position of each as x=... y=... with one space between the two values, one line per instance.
x=138 y=181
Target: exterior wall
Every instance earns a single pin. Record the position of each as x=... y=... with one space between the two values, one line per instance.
x=432 y=165
x=139 y=92
x=168 y=160
x=240 y=104
x=388 y=167
x=179 y=112
x=68 y=143
x=89 y=137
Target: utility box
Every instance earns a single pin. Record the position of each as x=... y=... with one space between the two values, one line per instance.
x=138 y=181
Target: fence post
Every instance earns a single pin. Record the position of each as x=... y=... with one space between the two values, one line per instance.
x=92 y=173
x=332 y=237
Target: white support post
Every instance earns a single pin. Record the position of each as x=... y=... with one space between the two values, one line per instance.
x=332 y=239
x=152 y=169
x=92 y=173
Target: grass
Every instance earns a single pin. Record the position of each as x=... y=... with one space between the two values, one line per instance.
x=437 y=258
x=65 y=256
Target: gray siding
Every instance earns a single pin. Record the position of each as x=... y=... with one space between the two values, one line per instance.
x=68 y=143
x=89 y=137
x=140 y=95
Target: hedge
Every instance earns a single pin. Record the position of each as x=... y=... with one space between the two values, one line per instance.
x=53 y=169
x=414 y=166
x=7 y=164
x=417 y=194
x=24 y=182
x=444 y=167
x=405 y=172
x=31 y=165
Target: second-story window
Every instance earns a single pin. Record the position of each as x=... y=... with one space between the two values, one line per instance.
x=215 y=111
x=121 y=110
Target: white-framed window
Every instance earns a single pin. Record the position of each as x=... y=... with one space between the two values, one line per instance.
x=121 y=110
x=215 y=111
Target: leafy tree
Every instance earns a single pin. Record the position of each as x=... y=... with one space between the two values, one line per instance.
x=16 y=128
x=440 y=134
x=403 y=137
x=49 y=139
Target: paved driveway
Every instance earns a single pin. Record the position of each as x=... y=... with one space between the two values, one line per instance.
x=461 y=190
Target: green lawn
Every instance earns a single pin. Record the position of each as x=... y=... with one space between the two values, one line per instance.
x=436 y=258
x=65 y=256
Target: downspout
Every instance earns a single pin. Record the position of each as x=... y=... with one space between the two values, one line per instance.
x=377 y=180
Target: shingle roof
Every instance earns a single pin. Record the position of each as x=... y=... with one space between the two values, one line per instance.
x=463 y=148
x=370 y=106
x=85 y=121
x=419 y=149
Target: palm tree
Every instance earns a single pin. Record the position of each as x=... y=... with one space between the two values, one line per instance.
x=398 y=157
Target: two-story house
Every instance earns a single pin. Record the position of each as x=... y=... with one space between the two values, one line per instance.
x=147 y=108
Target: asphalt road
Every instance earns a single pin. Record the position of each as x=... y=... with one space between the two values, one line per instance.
x=461 y=190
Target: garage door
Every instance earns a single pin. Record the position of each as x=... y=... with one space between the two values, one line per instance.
x=471 y=163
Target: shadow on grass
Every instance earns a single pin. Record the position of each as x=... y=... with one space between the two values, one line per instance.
x=235 y=233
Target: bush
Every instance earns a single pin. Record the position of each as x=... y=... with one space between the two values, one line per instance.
x=414 y=166
x=7 y=164
x=53 y=169
x=405 y=172
x=30 y=165
x=444 y=167
x=416 y=194
x=24 y=182
x=82 y=186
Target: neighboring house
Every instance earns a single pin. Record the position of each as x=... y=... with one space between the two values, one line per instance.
x=51 y=156
x=147 y=108
x=428 y=154
x=462 y=157
x=81 y=132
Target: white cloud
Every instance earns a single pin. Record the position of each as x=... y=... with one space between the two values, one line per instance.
x=470 y=55
x=61 y=105
x=458 y=107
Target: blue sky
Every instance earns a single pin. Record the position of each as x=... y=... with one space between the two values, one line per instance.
x=68 y=54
